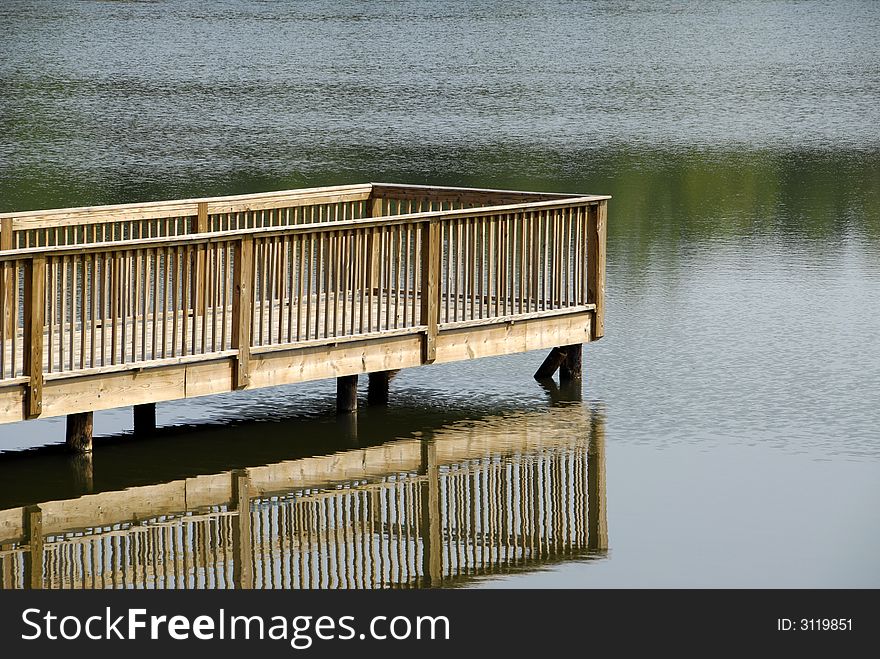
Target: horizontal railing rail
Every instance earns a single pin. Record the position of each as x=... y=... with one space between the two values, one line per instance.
x=113 y=305
x=75 y=226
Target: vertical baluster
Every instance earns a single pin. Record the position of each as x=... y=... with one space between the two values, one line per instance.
x=114 y=300
x=363 y=273
x=124 y=296
x=88 y=307
x=331 y=281
x=186 y=299
x=203 y=288
x=345 y=240
x=483 y=262
x=495 y=262
x=227 y=296
x=336 y=238
x=406 y=231
x=16 y=301
x=269 y=293
x=388 y=265
x=215 y=297
x=145 y=256
x=521 y=252
x=50 y=295
x=381 y=237
x=534 y=260
x=316 y=250
x=5 y=279
x=309 y=267
x=289 y=279
x=300 y=245
x=155 y=257
x=398 y=260
x=62 y=316
x=72 y=330
x=283 y=292
x=102 y=285
x=545 y=257
x=174 y=259
x=465 y=266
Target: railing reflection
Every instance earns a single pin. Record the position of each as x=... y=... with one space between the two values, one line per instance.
x=506 y=494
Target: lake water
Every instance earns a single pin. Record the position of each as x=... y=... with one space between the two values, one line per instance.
x=729 y=423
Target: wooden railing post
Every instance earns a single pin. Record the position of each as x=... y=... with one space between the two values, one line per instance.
x=430 y=301
x=7 y=243
x=199 y=225
x=596 y=231
x=374 y=209
x=34 y=317
x=242 y=295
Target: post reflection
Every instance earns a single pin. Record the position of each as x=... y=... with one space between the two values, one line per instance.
x=514 y=492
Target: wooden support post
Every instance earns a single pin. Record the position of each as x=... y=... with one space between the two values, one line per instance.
x=432 y=554
x=346 y=394
x=597 y=520
x=242 y=569
x=79 y=432
x=199 y=225
x=570 y=368
x=145 y=419
x=552 y=362
x=561 y=394
x=33 y=564
x=6 y=243
x=430 y=294
x=596 y=231
x=34 y=318
x=242 y=295
x=377 y=393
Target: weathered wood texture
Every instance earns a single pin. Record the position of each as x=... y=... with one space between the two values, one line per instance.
x=298 y=280
x=550 y=364
x=596 y=235
x=79 y=432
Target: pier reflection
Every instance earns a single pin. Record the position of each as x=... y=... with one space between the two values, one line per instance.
x=468 y=499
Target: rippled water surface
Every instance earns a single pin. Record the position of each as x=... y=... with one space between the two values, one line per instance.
x=727 y=431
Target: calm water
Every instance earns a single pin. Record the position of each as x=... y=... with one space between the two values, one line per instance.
x=729 y=420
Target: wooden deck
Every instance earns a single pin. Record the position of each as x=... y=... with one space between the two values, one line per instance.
x=130 y=305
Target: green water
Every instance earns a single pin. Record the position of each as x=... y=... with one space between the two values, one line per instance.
x=739 y=376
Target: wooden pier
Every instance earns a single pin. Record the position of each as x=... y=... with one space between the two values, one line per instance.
x=516 y=492
x=136 y=304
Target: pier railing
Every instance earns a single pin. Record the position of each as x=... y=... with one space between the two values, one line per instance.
x=122 y=288
x=76 y=226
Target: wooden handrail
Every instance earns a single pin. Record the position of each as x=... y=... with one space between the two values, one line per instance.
x=297 y=229
x=184 y=207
